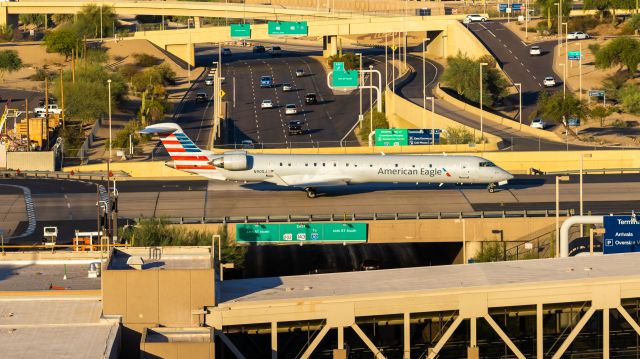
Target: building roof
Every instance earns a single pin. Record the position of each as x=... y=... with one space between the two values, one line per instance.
x=163 y=258
x=427 y=279
x=41 y=276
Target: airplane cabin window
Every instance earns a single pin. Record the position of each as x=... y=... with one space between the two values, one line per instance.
x=396 y=165
x=487 y=164
x=335 y=164
x=324 y=164
x=280 y=164
x=289 y=164
x=306 y=164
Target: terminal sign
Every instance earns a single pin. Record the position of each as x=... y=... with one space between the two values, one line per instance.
x=284 y=28
x=241 y=31
x=301 y=232
x=622 y=234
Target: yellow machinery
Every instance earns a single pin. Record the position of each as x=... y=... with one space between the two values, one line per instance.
x=36 y=134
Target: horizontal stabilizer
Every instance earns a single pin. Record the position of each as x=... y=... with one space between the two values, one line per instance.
x=164 y=128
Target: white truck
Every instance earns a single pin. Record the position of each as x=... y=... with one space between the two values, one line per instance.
x=42 y=111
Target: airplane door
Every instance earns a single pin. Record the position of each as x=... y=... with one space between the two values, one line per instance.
x=464 y=170
x=269 y=171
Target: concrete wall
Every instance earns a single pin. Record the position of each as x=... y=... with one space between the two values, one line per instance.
x=488 y=116
x=31 y=161
x=358 y=5
x=177 y=350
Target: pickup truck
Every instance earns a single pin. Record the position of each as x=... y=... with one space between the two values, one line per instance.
x=42 y=111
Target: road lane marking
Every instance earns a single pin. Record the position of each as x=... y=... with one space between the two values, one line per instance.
x=523 y=43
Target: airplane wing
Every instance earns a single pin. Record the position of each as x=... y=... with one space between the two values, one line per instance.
x=309 y=180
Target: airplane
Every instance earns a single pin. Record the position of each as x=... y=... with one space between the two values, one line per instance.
x=308 y=172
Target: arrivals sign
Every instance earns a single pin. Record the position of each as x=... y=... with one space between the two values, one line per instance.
x=622 y=234
x=343 y=78
x=406 y=137
x=301 y=232
x=240 y=31
x=287 y=28
x=574 y=55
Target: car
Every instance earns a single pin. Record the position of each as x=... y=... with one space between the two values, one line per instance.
x=370 y=264
x=201 y=97
x=226 y=51
x=538 y=123
x=52 y=101
x=296 y=127
x=266 y=81
x=43 y=111
x=310 y=99
x=247 y=144
x=212 y=71
x=258 y=49
x=286 y=87
x=275 y=51
x=266 y=104
x=300 y=73
x=535 y=51
x=290 y=109
x=208 y=81
x=549 y=81
x=577 y=35
x=474 y=18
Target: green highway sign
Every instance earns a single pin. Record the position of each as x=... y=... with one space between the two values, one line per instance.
x=574 y=55
x=280 y=28
x=392 y=137
x=241 y=31
x=343 y=78
x=301 y=232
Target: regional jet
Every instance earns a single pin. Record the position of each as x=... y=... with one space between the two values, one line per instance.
x=308 y=172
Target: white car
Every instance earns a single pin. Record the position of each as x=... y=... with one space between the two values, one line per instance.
x=549 y=81
x=474 y=18
x=290 y=109
x=266 y=104
x=247 y=144
x=535 y=51
x=577 y=35
x=300 y=72
x=208 y=81
x=287 y=87
x=538 y=123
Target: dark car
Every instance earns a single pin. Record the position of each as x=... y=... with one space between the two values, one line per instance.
x=259 y=49
x=310 y=99
x=201 y=97
x=295 y=127
x=41 y=102
x=370 y=264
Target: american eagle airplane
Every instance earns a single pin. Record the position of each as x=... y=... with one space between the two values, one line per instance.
x=309 y=172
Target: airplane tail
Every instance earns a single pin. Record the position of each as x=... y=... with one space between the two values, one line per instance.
x=185 y=154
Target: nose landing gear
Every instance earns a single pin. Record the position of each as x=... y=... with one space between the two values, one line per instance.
x=311 y=192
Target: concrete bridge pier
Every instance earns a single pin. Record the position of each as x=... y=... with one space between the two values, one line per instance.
x=8 y=19
x=185 y=52
x=329 y=45
x=197 y=22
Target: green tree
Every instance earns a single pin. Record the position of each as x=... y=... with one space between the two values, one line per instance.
x=89 y=20
x=633 y=24
x=456 y=136
x=556 y=108
x=619 y=51
x=6 y=33
x=151 y=77
x=9 y=62
x=379 y=121
x=550 y=9
x=491 y=252
x=630 y=98
x=61 y=41
x=600 y=112
x=60 y=19
x=351 y=61
x=32 y=19
x=463 y=75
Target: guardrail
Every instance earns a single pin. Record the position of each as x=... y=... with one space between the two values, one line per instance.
x=603 y=171
x=91 y=176
x=350 y=217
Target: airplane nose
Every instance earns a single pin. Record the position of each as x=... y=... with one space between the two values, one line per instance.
x=169 y=164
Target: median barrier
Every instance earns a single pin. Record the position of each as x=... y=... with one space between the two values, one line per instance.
x=152 y=169
x=496 y=118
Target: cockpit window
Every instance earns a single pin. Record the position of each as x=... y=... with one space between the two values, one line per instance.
x=487 y=164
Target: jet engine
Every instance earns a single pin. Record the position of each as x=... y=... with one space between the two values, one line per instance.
x=232 y=161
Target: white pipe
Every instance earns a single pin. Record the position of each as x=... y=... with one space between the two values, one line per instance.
x=566 y=225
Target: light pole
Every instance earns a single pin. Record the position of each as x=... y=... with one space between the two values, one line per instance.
x=580 y=69
x=100 y=22
x=582 y=157
x=519 y=85
x=559 y=26
x=360 y=84
x=371 y=99
x=433 y=112
x=189 y=52
x=526 y=21
x=109 y=91
x=110 y=231
x=558 y=179
x=386 y=60
x=481 y=111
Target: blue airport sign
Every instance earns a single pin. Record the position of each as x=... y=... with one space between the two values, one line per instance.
x=622 y=234
x=422 y=136
x=502 y=7
x=516 y=7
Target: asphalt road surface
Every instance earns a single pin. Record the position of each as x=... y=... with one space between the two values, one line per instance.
x=513 y=54
x=74 y=202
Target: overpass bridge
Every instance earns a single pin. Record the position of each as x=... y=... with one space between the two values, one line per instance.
x=554 y=299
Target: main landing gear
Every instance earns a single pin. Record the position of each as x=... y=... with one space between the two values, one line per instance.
x=491 y=187
x=311 y=192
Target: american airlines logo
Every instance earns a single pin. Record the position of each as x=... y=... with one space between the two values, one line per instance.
x=431 y=172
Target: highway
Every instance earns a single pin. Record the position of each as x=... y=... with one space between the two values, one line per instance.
x=513 y=54
x=62 y=201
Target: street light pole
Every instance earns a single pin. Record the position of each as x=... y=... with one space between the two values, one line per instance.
x=559 y=26
x=107 y=225
x=371 y=99
x=360 y=84
x=558 y=179
x=580 y=70
x=189 y=53
x=481 y=111
x=519 y=85
x=582 y=157
x=433 y=114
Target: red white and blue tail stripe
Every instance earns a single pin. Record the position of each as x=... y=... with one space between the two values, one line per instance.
x=185 y=154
